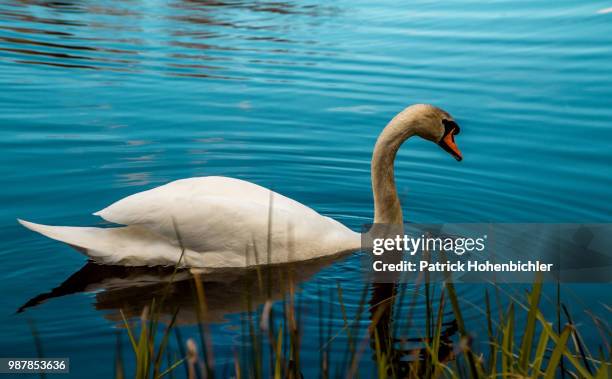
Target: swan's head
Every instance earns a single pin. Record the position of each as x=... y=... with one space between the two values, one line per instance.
x=433 y=124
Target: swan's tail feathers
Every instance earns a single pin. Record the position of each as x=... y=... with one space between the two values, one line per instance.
x=73 y=236
x=127 y=246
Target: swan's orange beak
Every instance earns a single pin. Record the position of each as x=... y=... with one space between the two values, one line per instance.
x=448 y=144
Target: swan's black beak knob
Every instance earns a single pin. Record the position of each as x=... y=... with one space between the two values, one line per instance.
x=448 y=140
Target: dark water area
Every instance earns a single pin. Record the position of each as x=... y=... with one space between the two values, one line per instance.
x=99 y=100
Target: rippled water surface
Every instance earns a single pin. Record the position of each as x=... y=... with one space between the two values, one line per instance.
x=99 y=100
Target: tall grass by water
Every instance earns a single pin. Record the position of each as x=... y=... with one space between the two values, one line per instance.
x=393 y=344
x=543 y=349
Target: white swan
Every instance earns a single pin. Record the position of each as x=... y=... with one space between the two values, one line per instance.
x=226 y=222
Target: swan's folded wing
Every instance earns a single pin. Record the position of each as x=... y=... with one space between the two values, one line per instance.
x=216 y=215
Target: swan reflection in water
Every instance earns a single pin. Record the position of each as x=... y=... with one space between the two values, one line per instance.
x=227 y=291
x=131 y=289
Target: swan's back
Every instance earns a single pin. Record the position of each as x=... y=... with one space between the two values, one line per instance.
x=230 y=222
x=144 y=206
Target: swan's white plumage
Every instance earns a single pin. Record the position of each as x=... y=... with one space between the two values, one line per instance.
x=222 y=222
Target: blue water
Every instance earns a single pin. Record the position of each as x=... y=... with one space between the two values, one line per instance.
x=99 y=100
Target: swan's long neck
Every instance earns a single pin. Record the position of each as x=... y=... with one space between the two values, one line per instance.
x=387 y=208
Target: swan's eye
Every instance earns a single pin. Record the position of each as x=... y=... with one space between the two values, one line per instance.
x=450 y=126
